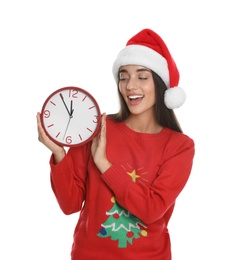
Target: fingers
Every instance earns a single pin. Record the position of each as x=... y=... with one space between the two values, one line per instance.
x=103 y=125
x=42 y=137
x=38 y=117
x=39 y=126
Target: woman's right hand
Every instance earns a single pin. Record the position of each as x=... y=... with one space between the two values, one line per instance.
x=58 y=151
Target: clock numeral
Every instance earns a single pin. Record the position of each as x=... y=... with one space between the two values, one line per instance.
x=68 y=139
x=73 y=93
x=96 y=119
x=84 y=98
x=46 y=113
x=80 y=137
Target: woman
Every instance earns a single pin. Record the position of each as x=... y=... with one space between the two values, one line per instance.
x=126 y=181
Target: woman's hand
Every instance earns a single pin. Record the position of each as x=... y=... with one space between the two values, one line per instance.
x=98 y=148
x=58 y=151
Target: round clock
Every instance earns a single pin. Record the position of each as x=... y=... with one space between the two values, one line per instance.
x=71 y=116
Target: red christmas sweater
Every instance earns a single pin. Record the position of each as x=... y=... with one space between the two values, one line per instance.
x=124 y=212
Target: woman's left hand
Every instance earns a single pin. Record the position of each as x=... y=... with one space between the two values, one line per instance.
x=98 y=148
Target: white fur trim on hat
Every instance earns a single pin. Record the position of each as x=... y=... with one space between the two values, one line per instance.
x=174 y=97
x=143 y=56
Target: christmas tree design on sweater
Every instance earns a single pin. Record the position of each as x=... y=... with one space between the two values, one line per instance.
x=121 y=225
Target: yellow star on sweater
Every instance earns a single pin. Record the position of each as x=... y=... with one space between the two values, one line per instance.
x=133 y=175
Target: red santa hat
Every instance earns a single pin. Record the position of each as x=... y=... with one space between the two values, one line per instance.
x=148 y=49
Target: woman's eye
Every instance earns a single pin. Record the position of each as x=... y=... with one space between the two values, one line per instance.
x=122 y=78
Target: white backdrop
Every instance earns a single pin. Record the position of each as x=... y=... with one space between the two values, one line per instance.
x=49 y=44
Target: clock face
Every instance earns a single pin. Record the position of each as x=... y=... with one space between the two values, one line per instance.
x=71 y=116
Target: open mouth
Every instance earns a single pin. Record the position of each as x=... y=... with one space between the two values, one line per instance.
x=135 y=97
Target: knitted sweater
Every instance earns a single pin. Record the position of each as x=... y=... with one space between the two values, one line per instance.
x=124 y=212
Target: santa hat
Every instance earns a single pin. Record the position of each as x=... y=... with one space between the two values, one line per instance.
x=148 y=49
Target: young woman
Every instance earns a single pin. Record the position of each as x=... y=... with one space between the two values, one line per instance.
x=126 y=181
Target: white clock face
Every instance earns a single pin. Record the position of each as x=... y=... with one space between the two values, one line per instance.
x=71 y=116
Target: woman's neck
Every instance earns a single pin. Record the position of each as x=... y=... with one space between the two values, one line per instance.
x=143 y=124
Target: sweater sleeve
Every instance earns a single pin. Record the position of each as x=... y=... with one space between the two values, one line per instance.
x=150 y=202
x=68 y=179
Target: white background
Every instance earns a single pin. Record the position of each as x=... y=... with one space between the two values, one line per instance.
x=49 y=44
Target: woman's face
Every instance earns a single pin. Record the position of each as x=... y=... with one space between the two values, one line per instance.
x=137 y=87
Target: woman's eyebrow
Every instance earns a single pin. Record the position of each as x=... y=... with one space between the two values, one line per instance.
x=123 y=70
x=144 y=69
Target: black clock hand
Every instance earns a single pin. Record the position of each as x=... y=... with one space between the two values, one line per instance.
x=71 y=109
x=65 y=104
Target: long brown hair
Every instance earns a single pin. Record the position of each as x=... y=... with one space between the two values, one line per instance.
x=164 y=116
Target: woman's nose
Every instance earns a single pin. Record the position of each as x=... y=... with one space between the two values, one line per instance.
x=132 y=84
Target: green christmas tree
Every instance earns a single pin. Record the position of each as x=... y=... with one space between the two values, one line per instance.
x=121 y=225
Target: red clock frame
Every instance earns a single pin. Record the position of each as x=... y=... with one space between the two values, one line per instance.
x=45 y=113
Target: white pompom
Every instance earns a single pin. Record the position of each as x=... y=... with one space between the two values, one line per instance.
x=174 y=97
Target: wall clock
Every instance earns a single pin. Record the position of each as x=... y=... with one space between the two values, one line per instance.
x=71 y=116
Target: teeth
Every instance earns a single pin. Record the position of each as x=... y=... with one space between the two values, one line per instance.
x=134 y=97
